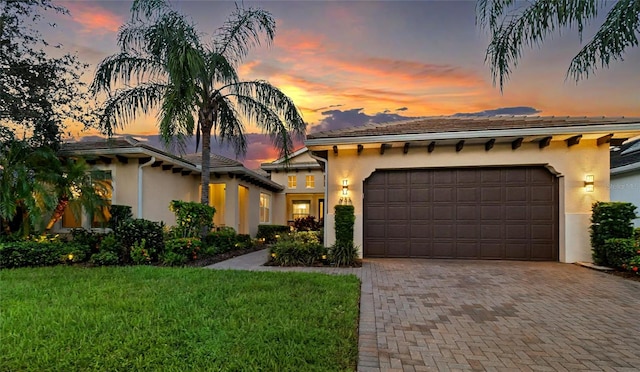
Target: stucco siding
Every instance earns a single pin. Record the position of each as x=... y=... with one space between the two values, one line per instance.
x=160 y=188
x=625 y=187
x=571 y=164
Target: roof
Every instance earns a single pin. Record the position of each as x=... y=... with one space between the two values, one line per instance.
x=289 y=164
x=216 y=160
x=123 y=148
x=447 y=127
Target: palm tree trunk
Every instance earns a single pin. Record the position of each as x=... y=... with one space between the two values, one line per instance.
x=206 y=162
x=63 y=201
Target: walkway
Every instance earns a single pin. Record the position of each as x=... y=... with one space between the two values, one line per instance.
x=445 y=315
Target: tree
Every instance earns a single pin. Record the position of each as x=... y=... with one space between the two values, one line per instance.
x=35 y=184
x=37 y=91
x=164 y=64
x=512 y=29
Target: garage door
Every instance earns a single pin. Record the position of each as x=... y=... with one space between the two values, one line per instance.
x=469 y=213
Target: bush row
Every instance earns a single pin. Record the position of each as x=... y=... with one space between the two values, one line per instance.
x=614 y=241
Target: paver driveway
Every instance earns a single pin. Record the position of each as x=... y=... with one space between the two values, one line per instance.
x=485 y=315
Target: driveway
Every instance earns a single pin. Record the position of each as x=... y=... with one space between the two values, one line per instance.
x=445 y=315
x=426 y=315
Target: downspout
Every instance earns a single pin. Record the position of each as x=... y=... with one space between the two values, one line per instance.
x=153 y=160
x=326 y=193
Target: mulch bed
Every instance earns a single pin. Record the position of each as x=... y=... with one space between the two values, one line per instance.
x=201 y=262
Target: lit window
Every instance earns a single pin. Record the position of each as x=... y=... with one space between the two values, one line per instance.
x=104 y=190
x=72 y=215
x=265 y=208
x=293 y=182
x=310 y=182
x=301 y=208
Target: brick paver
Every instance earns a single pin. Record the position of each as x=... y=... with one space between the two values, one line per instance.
x=445 y=315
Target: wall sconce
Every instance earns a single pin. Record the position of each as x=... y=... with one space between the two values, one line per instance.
x=345 y=187
x=588 y=183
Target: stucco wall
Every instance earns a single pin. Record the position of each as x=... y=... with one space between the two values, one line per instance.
x=626 y=188
x=570 y=163
x=160 y=188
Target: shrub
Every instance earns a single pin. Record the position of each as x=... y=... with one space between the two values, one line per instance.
x=343 y=254
x=609 y=220
x=269 y=232
x=620 y=251
x=105 y=258
x=634 y=264
x=110 y=243
x=180 y=250
x=224 y=240
x=30 y=253
x=345 y=218
x=244 y=241
x=132 y=232
x=288 y=252
x=192 y=219
x=139 y=253
x=87 y=238
x=119 y=214
x=308 y=223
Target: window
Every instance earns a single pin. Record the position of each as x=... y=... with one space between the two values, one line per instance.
x=310 y=182
x=265 y=208
x=104 y=190
x=71 y=217
x=301 y=208
x=293 y=182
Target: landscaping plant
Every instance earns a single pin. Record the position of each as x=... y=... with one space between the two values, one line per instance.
x=610 y=220
x=269 y=233
x=192 y=219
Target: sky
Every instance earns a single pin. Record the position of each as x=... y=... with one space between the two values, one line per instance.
x=347 y=63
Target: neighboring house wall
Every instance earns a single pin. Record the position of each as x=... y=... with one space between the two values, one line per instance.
x=570 y=163
x=625 y=187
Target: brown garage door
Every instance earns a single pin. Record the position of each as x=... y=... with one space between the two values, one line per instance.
x=471 y=213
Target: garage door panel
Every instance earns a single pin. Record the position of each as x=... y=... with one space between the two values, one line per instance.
x=466 y=213
x=467 y=250
x=516 y=194
x=467 y=194
x=397 y=231
x=420 y=194
x=376 y=213
x=420 y=231
x=441 y=231
x=443 y=249
x=443 y=195
x=420 y=248
x=420 y=213
x=443 y=212
x=398 y=248
x=485 y=213
x=491 y=250
x=398 y=212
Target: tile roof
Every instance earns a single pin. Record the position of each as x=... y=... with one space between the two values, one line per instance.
x=619 y=156
x=466 y=124
x=216 y=161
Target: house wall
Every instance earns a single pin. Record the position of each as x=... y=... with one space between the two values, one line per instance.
x=159 y=189
x=571 y=164
x=625 y=187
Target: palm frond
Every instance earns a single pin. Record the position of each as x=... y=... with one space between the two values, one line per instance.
x=126 y=104
x=243 y=31
x=618 y=32
x=229 y=127
x=221 y=68
x=124 y=68
x=528 y=28
x=176 y=119
x=148 y=8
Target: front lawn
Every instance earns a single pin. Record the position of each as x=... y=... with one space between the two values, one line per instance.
x=176 y=319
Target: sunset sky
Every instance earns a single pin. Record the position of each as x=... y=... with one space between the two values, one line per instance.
x=352 y=62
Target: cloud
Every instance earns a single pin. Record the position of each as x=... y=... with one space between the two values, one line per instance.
x=516 y=110
x=94 y=18
x=339 y=119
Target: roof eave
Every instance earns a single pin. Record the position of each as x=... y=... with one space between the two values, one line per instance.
x=493 y=133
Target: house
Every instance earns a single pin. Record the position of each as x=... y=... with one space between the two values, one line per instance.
x=148 y=179
x=304 y=184
x=517 y=188
x=625 y=174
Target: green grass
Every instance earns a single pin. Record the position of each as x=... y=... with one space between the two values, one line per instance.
x=176 y=319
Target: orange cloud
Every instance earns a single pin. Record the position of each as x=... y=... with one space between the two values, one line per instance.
x=94 y=18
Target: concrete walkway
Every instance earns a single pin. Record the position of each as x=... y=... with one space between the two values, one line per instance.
x=445 y=315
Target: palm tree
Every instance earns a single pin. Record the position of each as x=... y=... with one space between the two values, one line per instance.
x=164 y=64
x=512 y=29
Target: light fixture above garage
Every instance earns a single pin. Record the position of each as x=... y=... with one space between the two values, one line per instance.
x=345 y=187
x=588 y=183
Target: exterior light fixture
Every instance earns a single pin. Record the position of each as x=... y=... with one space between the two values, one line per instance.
x=588 y=183
x=345 y=187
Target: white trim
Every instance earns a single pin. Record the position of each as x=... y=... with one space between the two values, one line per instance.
x=625 y=168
